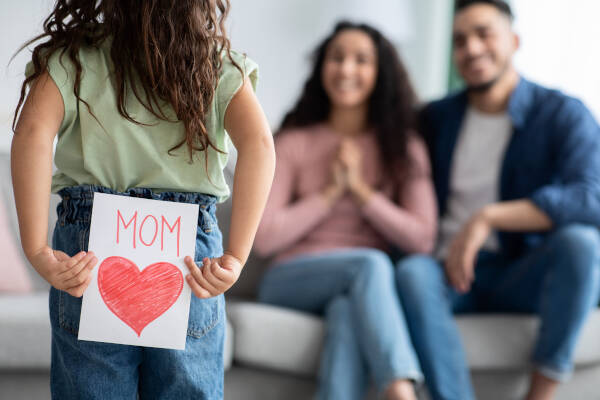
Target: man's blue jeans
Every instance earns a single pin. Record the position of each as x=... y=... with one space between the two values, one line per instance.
x=366 y=331
x=93 y=370
x=559 y=281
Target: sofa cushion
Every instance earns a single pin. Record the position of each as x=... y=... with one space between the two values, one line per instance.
x=276 y=338
x=287 y=340
x=499 y=341
x=228 y=352
x=24 y=331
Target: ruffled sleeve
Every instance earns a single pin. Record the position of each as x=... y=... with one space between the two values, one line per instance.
x=62 y=71
x=231 y=80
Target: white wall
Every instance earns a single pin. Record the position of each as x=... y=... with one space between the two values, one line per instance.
x=20 y=20
x=559 y=46
x=279 y=36
x=427 y=52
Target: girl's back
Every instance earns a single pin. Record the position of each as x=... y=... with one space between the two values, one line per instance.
x=97 y=145
x=140 y=93
x=145 y=86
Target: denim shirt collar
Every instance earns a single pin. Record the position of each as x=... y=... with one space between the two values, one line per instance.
x=520 y=102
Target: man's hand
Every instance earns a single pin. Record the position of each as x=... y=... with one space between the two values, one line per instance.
x=215 y=277
x=70 y=274
x=507 y=216
x=460 y=262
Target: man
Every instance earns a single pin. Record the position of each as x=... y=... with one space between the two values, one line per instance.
x=517 y=173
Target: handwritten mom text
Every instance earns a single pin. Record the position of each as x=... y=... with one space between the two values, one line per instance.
x=148 y=229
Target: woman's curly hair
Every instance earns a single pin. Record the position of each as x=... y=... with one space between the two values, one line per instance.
x=162 y=51
x=392 y=104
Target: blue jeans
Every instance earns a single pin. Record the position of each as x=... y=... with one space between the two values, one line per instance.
x=366 y=331
x=559 y=281
x=93 y=370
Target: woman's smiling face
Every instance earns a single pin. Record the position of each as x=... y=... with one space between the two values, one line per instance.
x=349 y=70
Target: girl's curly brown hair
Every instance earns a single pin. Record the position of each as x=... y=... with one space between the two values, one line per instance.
x=170 y=49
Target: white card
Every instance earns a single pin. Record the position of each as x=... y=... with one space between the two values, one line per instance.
x=138 y=294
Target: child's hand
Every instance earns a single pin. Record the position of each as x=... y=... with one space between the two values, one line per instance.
x=70 y=274
x=215 y=277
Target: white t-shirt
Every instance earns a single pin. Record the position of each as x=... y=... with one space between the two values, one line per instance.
x=474 y=174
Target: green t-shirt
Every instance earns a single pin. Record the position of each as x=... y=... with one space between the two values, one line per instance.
x=120 y=154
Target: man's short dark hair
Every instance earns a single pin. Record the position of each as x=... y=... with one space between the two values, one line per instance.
x=500 y=5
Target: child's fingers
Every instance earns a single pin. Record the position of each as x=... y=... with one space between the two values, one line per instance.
x=71 y=267
x=211 y=280
x=224 y=275
x=74 y=260
x=78 y=291
x=196 y=274
x=83 y=264
x=192 y=267
x=86 y=269
x=198 y=290
x=189 y=262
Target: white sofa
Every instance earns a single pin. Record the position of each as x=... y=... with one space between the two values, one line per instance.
x=272 y=353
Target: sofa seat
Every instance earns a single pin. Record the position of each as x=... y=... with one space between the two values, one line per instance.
x=285 y=340
x=25 y=333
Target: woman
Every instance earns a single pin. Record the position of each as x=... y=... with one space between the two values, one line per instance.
x=351 y=184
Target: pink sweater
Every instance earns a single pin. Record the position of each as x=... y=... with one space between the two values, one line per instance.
x=298 y=221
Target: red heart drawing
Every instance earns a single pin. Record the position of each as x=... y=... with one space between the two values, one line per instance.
x=138 y=298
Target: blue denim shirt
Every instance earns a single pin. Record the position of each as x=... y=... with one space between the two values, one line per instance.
x=552 y=159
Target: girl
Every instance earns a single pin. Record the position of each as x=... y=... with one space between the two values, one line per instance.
x=140 y=93
x=352 y=182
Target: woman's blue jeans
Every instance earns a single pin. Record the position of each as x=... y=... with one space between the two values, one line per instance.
x=366 y=330
x=93 y=370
